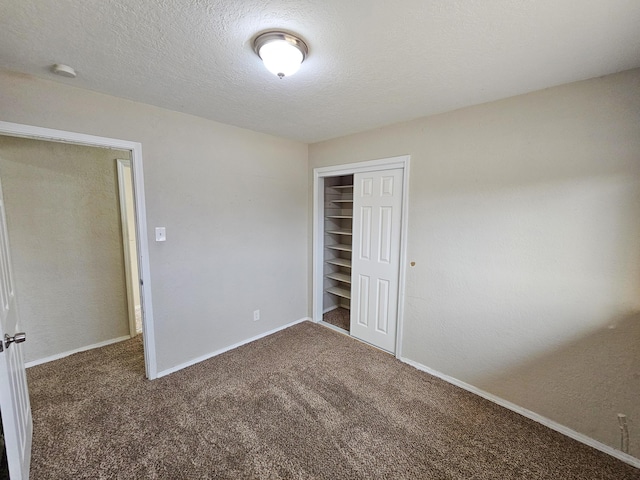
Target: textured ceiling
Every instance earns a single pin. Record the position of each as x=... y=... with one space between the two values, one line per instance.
x=371 y=62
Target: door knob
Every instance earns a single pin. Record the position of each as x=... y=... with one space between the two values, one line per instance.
x=17 y=338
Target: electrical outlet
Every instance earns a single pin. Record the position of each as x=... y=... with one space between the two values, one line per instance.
x=256 y=315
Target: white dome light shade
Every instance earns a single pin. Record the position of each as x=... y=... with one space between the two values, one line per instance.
x=282 y=53
x=281 y=58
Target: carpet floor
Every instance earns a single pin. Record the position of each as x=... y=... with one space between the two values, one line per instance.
x=306 y=402
x=340 y=317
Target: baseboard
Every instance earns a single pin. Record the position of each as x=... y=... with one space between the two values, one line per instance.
x=335 y=307
x=226 y=349
x=529 y=414
x=58 y=356
x=327 y=310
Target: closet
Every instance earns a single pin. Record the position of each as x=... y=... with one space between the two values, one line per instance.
x=338 y=248
x=357 y=248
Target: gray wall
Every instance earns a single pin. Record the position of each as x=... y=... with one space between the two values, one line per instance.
x=63 y=218
x=233 y=201
x=524 y=223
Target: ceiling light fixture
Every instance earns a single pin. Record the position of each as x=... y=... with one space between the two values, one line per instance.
x=282 y=53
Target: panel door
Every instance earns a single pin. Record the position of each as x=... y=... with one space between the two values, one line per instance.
x=15 y=408
x=377 y=216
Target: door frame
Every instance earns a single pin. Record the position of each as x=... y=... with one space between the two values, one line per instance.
x=121 y=164
x=48 y=134
x=319 y=174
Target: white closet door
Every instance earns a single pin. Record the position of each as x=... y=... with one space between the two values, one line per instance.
x=377 y=205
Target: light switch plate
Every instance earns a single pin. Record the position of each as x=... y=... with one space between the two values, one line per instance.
x=161 y=234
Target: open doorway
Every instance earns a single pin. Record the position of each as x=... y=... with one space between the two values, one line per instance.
x=338 y=248
x=14 y=400
x=122 y=149
x=64 y=224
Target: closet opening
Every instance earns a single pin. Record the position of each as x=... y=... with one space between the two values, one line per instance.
x=359 y=249
x=338 y=247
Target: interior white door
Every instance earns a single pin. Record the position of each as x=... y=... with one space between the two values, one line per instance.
x=15 y=408
x=377 y=219
x=129 y=244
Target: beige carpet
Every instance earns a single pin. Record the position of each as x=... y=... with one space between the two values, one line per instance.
x=340 y=317
x=306 y=402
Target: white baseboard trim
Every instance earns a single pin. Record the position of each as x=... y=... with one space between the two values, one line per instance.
x=230 y=347
x=529 y=414
x=58 y=356
x=327 y=310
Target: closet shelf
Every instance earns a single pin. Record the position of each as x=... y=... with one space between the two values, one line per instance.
x=340 y=246
x=340 y=292
x=340 y=262
x=338 y=235
x=340 y=277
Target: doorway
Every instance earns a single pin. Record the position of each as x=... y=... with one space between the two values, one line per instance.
x=338 y=247
x=359 y=249
x=134 y=151
x=63 y=218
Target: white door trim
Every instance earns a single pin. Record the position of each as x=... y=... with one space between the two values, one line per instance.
x=40 y=133
x=319 y=174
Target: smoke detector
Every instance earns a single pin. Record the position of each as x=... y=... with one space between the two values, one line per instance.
x=63 y=70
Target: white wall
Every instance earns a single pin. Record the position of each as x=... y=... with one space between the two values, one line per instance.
x=233 y=201
x=524 y=223
x=63 y=218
